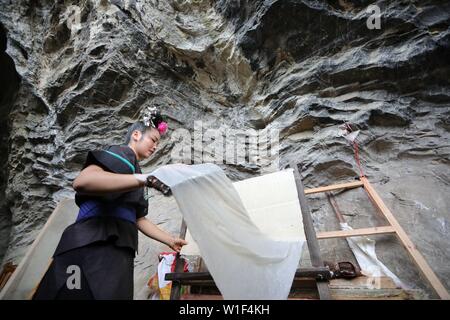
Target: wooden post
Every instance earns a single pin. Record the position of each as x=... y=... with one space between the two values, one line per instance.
x=313 y=244
x=175 y=291
x=407 y=243
x=335 y=207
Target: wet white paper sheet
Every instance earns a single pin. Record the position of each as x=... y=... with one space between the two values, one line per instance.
x=247 y=258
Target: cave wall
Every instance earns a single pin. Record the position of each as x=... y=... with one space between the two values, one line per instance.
x=9 y=84
x=302 y=67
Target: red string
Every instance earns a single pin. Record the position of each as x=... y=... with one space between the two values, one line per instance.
x=355 y=150
x=358 y=163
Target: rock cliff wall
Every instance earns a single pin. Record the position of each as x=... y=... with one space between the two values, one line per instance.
x=76 y=73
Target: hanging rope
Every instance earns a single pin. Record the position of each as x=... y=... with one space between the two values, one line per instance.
x=354 y=143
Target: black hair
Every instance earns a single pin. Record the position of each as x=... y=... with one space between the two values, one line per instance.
x=139 y=126
x=3 y=38
x=154 y=120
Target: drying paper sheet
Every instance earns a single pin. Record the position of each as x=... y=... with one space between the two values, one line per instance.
x=271 y=201
x=364 y=250
x=244 y=262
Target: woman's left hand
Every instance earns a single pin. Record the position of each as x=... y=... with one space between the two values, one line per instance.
x=176 y=244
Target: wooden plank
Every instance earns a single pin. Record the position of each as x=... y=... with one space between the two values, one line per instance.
x=179 y=267
x=201 y=297
x=30 y=296
x=306 y=286
x=313 y=244
x=348 y=185
x=22 y=282
x=317 y=273
x=407 y=243
x=355 y=232
x=360 y=288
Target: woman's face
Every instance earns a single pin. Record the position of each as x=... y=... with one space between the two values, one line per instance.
x=146 y=143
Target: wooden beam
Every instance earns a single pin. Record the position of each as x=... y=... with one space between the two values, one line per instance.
x=31 y=294
x=304 y=286
x=201 y=297
x=310 y=233
x=355 y=232
x=348 y=185
x=175 y=291
x=336 y=209
x=407 y=243
x=322 y=273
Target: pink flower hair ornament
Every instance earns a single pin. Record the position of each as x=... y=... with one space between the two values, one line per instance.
x=162 y=127
x=152 y=117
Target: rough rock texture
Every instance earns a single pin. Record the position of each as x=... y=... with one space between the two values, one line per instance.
x=86 y=69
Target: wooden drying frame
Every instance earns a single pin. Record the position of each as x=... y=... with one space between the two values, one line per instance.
x=393 y=227
x=319 y=274
x=317 y=271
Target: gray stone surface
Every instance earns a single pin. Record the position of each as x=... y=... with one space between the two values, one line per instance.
x=304 y=67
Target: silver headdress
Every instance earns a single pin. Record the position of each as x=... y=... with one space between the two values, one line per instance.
x=153 y=118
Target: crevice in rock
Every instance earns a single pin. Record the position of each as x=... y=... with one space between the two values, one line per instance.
x=9 y=85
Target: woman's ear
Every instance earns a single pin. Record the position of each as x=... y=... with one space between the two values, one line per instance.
x=136 y=135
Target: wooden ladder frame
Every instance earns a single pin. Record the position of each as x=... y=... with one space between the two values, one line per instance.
x=318 y=272
x=393 y=227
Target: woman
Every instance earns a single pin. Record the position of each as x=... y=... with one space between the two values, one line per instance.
x=95 y=256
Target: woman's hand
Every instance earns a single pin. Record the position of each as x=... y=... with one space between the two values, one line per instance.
x=151 y=230
x=142 y=178
x=176 y=244
x=155 y=183
x=146 y=179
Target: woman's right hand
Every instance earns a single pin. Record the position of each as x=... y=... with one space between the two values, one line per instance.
x=142 y=178
x=155 y=183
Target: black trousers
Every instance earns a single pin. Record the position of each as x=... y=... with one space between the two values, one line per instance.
x=105 y=272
